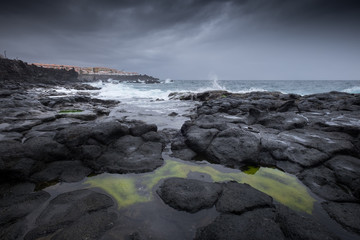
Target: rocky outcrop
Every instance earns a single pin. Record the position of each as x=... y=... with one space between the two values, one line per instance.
x=138 y=78
x=314 y=137
x=246 y=213
x=18 y=74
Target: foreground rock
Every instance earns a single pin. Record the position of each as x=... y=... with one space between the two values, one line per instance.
x=246 y=213
x=189 y=195
x=80 y=214
x=315 y=137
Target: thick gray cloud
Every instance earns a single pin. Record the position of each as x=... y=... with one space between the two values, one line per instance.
x=189 y=39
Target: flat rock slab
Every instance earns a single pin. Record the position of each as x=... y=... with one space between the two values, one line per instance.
x=66 y=171
x=299 y=227
x=238 y=198
x=255 y=225
x=19 y=206
x=188 y=194
x=68 y=210
x=347 y=214
x=90 y=226
x=129 y=154
x=347 y=172
x=322 y=181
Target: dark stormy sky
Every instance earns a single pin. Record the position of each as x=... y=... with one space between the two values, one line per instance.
x=190 y=39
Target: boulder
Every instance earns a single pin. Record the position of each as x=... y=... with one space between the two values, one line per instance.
x=188 y=194
x=234 y=147
x=129 y=154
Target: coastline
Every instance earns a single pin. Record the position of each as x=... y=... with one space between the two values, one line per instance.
x=49 y=138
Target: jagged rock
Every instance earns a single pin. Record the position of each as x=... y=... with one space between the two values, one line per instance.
x=188 y=194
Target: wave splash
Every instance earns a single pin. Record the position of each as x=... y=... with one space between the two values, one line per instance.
x=215 y=84
x=355 y=89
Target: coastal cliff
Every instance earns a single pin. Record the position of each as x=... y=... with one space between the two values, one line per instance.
x=19 y=73
x=90 y=74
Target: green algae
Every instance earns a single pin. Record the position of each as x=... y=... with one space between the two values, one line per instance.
x=251 y=170
x=129 y=189
x=71 y=111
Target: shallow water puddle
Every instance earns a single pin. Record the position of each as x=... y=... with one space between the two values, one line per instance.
x=129 y=189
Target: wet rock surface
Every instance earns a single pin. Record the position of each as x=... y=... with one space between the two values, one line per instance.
x=47 y=136
x=245 y=213
x=314 y=137
x=80 y=213
x=189 y=195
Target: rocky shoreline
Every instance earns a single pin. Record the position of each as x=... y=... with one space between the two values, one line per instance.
x=121 y=78
x=48 y=138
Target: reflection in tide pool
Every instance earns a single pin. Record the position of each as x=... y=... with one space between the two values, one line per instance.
x=129 y=189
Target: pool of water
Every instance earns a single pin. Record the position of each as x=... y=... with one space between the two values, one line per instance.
x=129 y=189
x=140 y=209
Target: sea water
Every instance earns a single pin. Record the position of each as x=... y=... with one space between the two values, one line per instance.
x=113 y=89
x=137 y=202
x=150 y=102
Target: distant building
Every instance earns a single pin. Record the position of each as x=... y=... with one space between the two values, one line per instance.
x=87 y=70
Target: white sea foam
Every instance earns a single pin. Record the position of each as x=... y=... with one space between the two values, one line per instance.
x=215 y=84
x=252 y=89
x=355 y=89
x=168 y=80
x=127 y=91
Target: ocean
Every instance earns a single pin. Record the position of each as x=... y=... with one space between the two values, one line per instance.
x=150 y=102
x=113 y=89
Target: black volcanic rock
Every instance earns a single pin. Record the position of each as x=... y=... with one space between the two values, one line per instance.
x=238 y=198
x=347 y=214
x=123 y=78
x=256 y=225
x=18 y=74
x=298 y=227
x=78 y=213
x=21 y=205
x=188 y=194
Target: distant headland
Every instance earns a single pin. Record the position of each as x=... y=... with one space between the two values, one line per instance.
x=102 y=73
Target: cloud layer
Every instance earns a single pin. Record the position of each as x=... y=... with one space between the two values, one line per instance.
x=189 y=39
